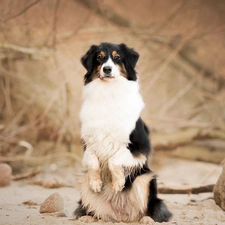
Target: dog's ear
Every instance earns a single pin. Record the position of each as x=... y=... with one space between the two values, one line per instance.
x=87 y=59
x=130 y=55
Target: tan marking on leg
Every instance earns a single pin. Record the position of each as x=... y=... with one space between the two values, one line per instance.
x=91 y=163
x=118 y=178
x=122 y=159
x=94 y=180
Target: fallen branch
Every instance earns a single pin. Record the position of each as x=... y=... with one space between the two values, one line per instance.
x=197 y=152
x=27 y=174
x=184 y=136
x=172 y=140
x=52 y=182
x=22 y=11
x=32 y=51
x=186 y=190
x=8 y=140
x=39 y=159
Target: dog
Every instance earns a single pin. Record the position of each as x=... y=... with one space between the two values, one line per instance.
x=116 y=184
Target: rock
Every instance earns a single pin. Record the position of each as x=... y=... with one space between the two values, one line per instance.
x=5 y=174
x=219 y=190
x=54 y=203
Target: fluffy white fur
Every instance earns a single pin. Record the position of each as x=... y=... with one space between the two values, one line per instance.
x=107 y=107
x=123 y=206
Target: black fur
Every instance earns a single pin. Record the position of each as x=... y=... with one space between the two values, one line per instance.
x=139 y=144
x=130 y=58
x=81 y=211
x=134 y=174
x=156 y=208
x=139 y=139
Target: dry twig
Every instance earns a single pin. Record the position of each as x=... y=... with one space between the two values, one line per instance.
x=186 y=190
x=22 y=11
x=39 y=159
x=27 y=174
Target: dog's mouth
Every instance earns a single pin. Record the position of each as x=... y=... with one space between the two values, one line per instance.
x=107 y=77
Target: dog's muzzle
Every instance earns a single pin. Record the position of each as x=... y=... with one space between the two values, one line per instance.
x=107 y=70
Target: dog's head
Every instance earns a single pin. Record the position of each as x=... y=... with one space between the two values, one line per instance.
x=109 y=61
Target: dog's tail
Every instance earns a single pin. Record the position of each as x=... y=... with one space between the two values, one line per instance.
x=156 y=208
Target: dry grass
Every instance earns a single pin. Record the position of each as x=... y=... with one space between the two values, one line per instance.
x=181 y=66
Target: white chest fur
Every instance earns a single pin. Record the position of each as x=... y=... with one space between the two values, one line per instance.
x=109 y=113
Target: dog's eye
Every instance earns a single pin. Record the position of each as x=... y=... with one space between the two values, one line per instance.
x=99 y=57
x=117 y=57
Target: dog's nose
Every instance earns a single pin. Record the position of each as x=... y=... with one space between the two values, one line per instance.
x=107 y=69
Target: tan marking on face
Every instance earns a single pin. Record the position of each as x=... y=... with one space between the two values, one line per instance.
x=114 y=53
x=96 y=73
x=122 y=70
x=102 y=54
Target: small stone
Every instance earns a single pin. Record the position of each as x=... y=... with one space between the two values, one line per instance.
x=5 y=174
x=219 y=190
x=54 y=203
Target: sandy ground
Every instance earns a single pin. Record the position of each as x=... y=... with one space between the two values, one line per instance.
x=186 y=209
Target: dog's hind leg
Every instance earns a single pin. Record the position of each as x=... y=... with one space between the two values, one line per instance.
x=123 y=159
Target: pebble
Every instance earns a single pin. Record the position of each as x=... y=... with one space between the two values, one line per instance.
x=54 y=203
x=5 y=174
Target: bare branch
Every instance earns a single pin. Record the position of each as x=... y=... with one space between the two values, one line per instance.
x=55 y=20
x=22 y=11
x=29 y=51
x=40 y=159
x=175 y=98
x=186 y=190
x=102 y=10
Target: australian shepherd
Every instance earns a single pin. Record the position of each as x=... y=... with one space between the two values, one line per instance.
x=117 y=184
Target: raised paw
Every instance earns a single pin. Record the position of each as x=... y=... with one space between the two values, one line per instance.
x=95 y=184
x=118 y=184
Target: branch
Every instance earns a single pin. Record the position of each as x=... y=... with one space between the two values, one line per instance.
x=109 y=15
x=172 y=140
x=174 y=99
x=189 y=67
x=22 y=11
x=27 y=174
x=184 y=136
x=39 y=159
x=186 y=190
x=36 y=53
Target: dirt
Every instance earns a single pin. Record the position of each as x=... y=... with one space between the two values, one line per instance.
x=20 y=202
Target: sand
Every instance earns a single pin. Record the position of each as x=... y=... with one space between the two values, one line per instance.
x=186 y=209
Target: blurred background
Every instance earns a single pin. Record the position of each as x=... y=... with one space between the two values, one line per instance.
x=181 y=67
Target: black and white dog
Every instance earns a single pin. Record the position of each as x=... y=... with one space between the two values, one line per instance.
x=117 y=184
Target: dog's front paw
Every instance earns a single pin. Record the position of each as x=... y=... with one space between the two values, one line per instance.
x=118 y=184
x=95 y=184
